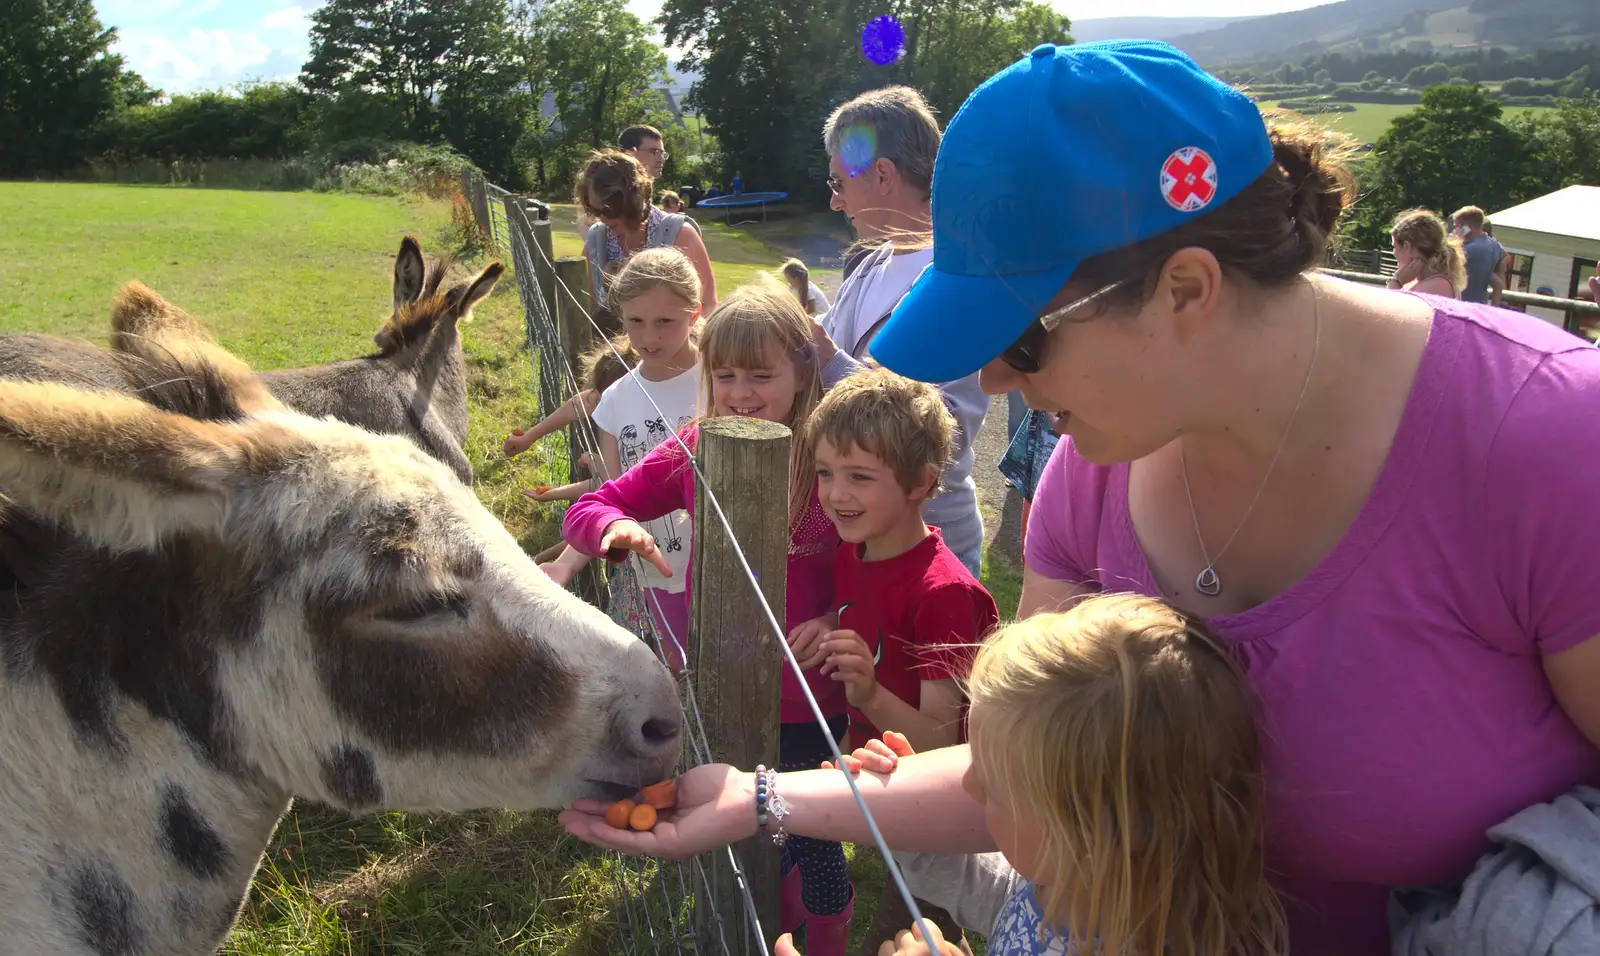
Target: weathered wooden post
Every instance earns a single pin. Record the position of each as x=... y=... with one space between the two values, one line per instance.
x=573 y=307
x=574 y=304
x=735 y=660
x=544 y=257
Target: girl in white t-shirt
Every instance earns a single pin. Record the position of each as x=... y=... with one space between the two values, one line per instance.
x=657 y=295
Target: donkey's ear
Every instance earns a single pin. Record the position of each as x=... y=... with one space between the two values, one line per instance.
x=410 y=273
x=121 y=472
x=464 y=297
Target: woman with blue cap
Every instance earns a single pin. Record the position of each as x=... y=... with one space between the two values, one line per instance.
x=1380 y=500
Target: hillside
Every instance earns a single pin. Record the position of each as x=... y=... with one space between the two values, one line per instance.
x=1149 y=28
x=1371 y=25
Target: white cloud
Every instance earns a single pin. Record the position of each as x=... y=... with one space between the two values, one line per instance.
x=294 y=19
x=194 y=59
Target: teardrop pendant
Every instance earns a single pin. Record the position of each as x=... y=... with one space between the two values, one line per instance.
x=1207 y=582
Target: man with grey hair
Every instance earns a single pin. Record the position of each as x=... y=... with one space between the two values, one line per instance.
x=881 y=147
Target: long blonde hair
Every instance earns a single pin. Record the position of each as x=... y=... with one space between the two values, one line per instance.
x=1437 y=247
x=1126 y=730
x=651 y=268
x=742 y=332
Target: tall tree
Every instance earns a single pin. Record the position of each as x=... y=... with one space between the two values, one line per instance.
x=772 y=70
x=412 y=51
x=58 y=81
x=603 y=67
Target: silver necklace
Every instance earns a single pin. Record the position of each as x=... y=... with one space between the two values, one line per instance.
x=1207 y=582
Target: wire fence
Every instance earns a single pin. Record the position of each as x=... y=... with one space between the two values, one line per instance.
x=667 y=907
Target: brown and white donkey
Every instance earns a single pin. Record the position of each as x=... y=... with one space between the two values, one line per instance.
x=210 y=604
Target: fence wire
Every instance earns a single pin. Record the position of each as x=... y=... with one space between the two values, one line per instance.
x=658 y=911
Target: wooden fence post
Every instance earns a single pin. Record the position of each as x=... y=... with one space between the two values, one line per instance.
x=736 y=664
x=576 y=333
x=543 y=264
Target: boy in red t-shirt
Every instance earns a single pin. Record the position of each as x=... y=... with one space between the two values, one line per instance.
x=910 y=614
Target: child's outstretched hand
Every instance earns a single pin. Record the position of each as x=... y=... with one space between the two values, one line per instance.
x=848 y=660
x=876 y=756
x=806 y=639
x=629 y=535
x=516 y=443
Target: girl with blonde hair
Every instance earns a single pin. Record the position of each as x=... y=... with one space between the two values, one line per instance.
x=1428 y=257
x=758 y=362
x=1115 y=751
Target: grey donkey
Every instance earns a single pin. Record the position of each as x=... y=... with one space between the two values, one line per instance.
x=414 y=385
x=210 y=603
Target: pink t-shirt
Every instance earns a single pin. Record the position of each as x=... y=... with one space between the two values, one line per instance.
x=1404 y=705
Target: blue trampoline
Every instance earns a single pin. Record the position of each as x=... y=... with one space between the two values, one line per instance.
x=731 y=201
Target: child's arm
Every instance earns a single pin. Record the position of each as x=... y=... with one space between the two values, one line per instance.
x=949 y=623
x=552 y=423
x=936 y=723
x=662 y=482
x=570 y=492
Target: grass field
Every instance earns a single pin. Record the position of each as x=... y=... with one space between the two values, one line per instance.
x=1371 y=120
x=289 y=279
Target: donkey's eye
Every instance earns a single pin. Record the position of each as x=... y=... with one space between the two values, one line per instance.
x=427 y=607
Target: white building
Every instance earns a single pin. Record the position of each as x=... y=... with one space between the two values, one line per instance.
x=1555 y=243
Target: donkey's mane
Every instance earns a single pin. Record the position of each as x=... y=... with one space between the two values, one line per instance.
x=412 y=323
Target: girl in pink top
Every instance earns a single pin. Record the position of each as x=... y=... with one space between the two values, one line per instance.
x=757 y=360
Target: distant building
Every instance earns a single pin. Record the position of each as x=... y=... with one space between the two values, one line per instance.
x=1554 y=242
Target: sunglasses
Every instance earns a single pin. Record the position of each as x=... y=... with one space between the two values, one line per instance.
x=1026 y=354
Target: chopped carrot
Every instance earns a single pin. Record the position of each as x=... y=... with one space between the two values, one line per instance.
x=662 y=796
x=618 y=813
x=643 y=817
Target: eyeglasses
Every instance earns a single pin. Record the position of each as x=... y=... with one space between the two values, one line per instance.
x=1026 y=354
x=657 y=152
x=833 y=184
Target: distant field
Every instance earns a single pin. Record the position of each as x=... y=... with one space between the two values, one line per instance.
x=1371 y=120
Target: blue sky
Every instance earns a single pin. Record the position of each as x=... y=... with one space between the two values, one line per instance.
x=183 y=45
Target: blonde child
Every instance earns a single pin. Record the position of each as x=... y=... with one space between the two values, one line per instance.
x=1115 y=751
x=657 y=295
x=1427 y=257
x=598 y=368
x=798 y=278
x=758 y=362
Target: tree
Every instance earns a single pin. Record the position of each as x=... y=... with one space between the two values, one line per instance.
x=772 y=70
x=1431 y=75
x=603 y=67
x=58 y=81
x=1564 y=143
x=1450 y=151
x=408 y=50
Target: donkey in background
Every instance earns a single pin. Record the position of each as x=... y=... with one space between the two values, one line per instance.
x=210 y=604
x=415 y=385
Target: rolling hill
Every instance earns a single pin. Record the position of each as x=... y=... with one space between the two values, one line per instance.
x=1366 y=25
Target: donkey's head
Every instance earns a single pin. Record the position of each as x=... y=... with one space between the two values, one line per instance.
x=310 y=605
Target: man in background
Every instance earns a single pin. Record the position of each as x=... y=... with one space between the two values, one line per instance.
x=644 y=144
x=1484 y=254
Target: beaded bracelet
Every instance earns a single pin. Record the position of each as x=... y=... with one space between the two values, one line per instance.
x=769 y=802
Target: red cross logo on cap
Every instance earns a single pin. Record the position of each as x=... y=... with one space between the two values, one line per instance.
x=1189 y=179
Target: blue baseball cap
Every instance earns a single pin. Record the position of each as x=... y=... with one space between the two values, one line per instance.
x=1068 y=153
